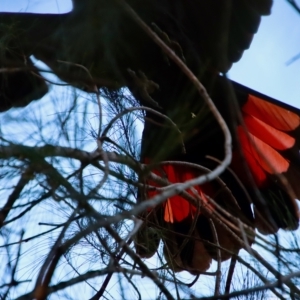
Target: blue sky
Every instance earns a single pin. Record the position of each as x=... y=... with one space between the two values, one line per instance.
x=36 y=6
x=263 y=67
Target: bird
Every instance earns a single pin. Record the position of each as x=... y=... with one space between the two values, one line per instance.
x=101 y=44
x=259 y=189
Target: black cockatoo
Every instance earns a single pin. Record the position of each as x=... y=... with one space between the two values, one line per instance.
x=208 y=36
x=100 y=36
x=253 y=190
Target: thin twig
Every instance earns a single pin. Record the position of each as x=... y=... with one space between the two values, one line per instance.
x=48 y=268
x=275 y=284
x=13 y=282
x=131 y=109
x=23 y=181
x=140 y=263
x=94 y=89
x=219 y=273
x=201 y=89
x=230 y=274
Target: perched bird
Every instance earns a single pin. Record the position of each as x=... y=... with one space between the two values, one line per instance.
x=99 y=44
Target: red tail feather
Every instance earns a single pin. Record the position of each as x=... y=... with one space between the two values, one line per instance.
x=266 y=137
x=260 y=157
x=177 y=208
x=273 y=114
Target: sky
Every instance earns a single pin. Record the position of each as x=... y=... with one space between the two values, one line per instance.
x=263 y=67
x=36 y=6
